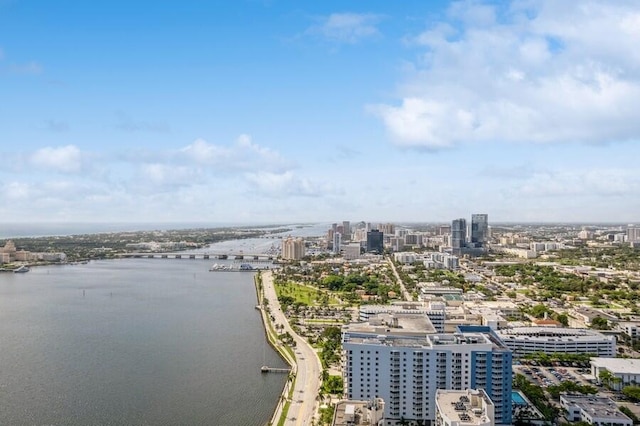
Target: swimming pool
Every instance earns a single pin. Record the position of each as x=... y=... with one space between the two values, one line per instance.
x=517 y=399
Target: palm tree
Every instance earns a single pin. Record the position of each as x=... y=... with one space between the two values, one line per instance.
x=605 y=377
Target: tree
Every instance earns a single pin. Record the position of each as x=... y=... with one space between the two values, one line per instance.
x=605 y=377
x=600 y=323
x=563 y=319
x=632 y=392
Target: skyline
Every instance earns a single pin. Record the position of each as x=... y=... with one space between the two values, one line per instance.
x=275 y=112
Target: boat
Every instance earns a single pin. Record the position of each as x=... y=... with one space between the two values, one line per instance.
x=246 y=267
x=21 y=269
x=217 y=267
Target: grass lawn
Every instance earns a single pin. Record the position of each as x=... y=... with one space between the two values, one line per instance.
x=308 y=295
x=324 y=321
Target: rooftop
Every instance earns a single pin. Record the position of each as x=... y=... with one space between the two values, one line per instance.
x=618 y=365
x=483 y=341
x=394 y=324
x=596 y=406
x=468 y=407
x=552 y=333
x=358 y=413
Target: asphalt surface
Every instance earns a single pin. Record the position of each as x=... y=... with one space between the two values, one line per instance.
x=303 y=408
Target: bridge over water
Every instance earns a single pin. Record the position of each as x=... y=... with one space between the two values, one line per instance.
x=204 y=255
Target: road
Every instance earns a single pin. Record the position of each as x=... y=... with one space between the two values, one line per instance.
x=303 y=405
x=403 y=289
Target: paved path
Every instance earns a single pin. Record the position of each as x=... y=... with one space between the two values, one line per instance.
x=405 y=294
x=303 y=405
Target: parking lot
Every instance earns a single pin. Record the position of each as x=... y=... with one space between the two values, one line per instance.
x=546 y=376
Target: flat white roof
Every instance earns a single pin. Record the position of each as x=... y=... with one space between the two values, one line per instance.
x=618 y=365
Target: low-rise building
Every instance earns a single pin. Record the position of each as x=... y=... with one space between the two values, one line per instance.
x=359 y=413
x=622 y=371
x=469 y=407
x=593 y=410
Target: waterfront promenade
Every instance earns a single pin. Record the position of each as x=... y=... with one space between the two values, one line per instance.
x=303 y=406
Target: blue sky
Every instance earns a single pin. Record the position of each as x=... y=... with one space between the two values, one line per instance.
x=275 y=111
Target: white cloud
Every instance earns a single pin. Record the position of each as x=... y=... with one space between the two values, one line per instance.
x=538 y=71
x=66 y=159
x=286 y=184
x=243 y=155
x=169 y=175
x=595 y=182
x=13 y=191
x=349 y=28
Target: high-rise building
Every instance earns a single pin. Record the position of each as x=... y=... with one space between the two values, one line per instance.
x=633 y=234
x=346 y=230
x=293 y=248
x=337 y=242
x=458 y=235
x=479 y=230
x=375 y=242
x=444 y=230
x=387 y=228
x=330 y=234
x=405 y=367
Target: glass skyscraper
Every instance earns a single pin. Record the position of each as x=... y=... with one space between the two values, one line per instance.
x=479 y=230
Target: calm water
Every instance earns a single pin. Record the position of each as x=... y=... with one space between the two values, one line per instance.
x=133 y=342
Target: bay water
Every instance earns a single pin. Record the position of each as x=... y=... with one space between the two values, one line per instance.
x=133 y=342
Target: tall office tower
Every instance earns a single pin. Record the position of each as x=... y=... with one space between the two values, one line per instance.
x=346 y=230
x=293 y=248
x=458 y=235
x=405 y=367
x=479 y=230
x=375 y=241
x=330 y=234
x=337 y=242
x=633 y=234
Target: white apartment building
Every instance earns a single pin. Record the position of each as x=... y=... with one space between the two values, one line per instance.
x=529 y=340
x=468 y=407
x=432 y=260
x=633 y=234
x=402 y=364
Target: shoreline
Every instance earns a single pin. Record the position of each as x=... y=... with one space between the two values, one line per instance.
x=266 y=322
x=301 y=405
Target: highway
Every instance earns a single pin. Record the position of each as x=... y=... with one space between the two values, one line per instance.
x=303 y=405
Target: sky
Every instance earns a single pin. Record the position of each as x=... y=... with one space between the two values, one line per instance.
x=305 y=111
